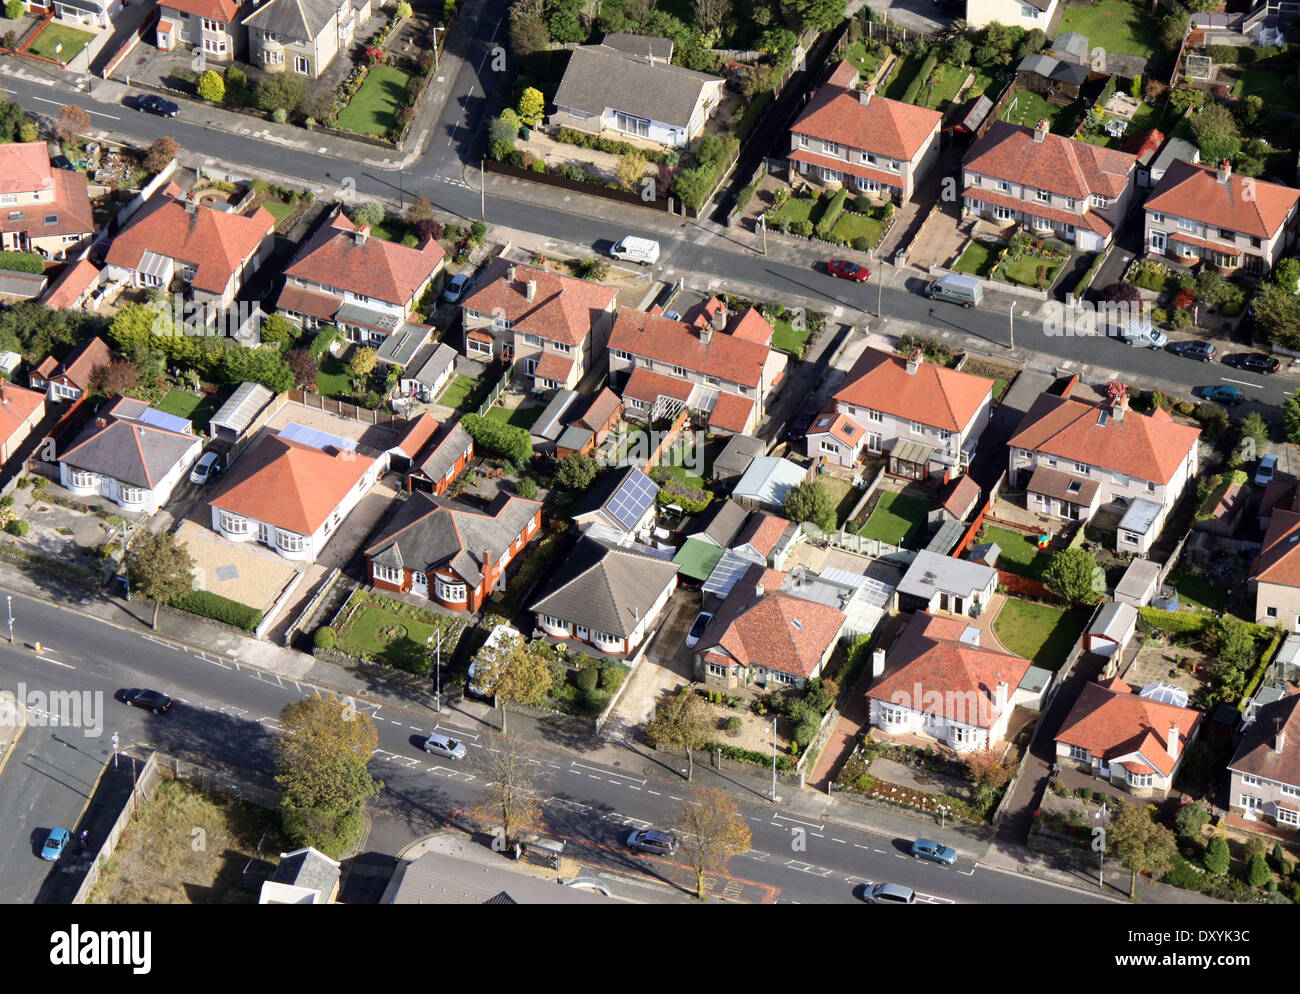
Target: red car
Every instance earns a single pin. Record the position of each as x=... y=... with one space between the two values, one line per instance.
x=846 y=270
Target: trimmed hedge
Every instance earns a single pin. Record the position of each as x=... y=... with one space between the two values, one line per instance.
x=922 y=74
x=692 y=500
x=209 y=605
x=515 y=444
x=326 y=337
x=783 y=762
x=834 y=208
x=22 y=262
x=571 y=136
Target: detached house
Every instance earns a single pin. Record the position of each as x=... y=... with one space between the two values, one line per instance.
x=1234 y=223
x=1265 y=770
x=1134 y=742
x=210 y=25
x=1027 y=14
x=42 y=209
x=869 y=143
x=719 y=365
x=21 y=410
x=628 y=85
x=1056 y=187
x=1275 y=573
x=450 y=553
x=175 y=244
x=72 y=378
x=554 y=327
x=367 y=286
x=1074 y=457
x=928 y=418
x=303 y=36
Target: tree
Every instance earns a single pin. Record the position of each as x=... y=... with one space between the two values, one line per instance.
x=265 y=366
x=1073 y=575
x=118 y=377
x=1277 y=313
x=630 y=169
x=1257 y=871
x=1183 y=100
x=11 y=121
x=1232 y=640
x=73 y=121
x=680 y=722
x=531 y=105
x=281 y=91
x=1139 y=843
x=420 y=210
x=510 y=798
x=1191 y=818
x=279 y=331
x=158 y=566
x=1173 y=29
x=711 y=830
x=321 y=755
x=403 y=9
x=1215 y=131
x=363 y=362
x=1253 y=431
x=711 y=15
x=961 y=50
x=810 y=501
x=1217 y=858
x=160 y=153
x=815 y=15
x=529 y=33
x=527 y=488
x=305 y=369
x=1116 y=293
x=575 y=471
x=510 y=670
x=369 y=213
x=211 y=86
x=566 y=21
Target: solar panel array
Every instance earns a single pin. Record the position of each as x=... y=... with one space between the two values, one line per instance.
x=295 y=432
x=633 y=496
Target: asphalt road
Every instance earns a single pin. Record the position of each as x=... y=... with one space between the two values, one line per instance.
x=227 y=716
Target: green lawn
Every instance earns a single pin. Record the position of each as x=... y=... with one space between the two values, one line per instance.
x=787 y=339
x=1269 y=85
x=334 y=379
x=1041 y=633
x=1028 y=109
x=796 y=209
x=864 y=63
x=1144 y=119
x=520 y=417
x=1116 y=25
x=279 y=209
x=458 y=391
x=901 y=76
x=406 y=647
x=896 y=519
x=978 y=260
x=948 y=80
x=48 y=41
x=1025 y=270
x=1196 y=590
x=680 y=474
x=1019 y=554
x=850 y=226
x=197 y=408
x=373 y=108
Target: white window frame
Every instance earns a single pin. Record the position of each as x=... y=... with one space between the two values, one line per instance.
x=717 y=669
x=830 y=448
x=234 y=524
x=449 y=591
x=82 y=478
x=388 y=574
x=290 y=541
x=132 y=495
x=1141 y=779
x=1286 y=816
x=1080 y=754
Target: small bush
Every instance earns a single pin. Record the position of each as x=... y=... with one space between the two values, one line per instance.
x=17 y=527
x=612 y=676
x=527 y=488
x=586 y=680
x=209 y=605
x=734 y=724
x=325 y=637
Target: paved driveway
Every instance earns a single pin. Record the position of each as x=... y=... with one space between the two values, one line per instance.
x=667 y=664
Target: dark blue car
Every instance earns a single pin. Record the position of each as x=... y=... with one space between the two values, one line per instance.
x=153 y=104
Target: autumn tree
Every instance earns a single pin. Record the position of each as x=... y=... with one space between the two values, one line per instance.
x=513 y=672
x=989 y=774
x=510 y=798
x=711 y=830
x=160 y=153
x=711 y=15
x=118 y=377
x=363 y=362
x=305 y=369
x=680 y=722
x=73 y=121
x=630 y=169
x=211 y=86
x=1139 y=843
x=420 y=210
x=160 y=567
x=531 y=105
x=321 y=755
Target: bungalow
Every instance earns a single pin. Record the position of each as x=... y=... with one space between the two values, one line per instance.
x=76 y=375
x=133 y=454
x=605 y=595
x=1132 y=741
x=452 y=554
x=1074 y=457
x=628 y=85
x=553 y=326
x=1265 y=770
x=42 y=209
x=21 y=410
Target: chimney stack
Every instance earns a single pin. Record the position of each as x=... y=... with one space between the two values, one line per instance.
x=1225 y=171
x=1000 y=696
x=758 y=590
x=877 y=662
x=530 y=290
x=914 y=360
x=864 y=94
x=1173 y=741
x=487 y=560
x=4 y=398
x=191 y=204
x=1279 y=736
x=511 y=271
x=706 y=334
x=363 y=231
x=101 y=422
x=720 y=318
x=1040 y=131
x=1119 y=406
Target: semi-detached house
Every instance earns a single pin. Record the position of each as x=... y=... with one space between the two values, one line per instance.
x=303 y=36
x=42 y=209
x=1234 y=223
x=867 y=142
x=1265 y=771
x=213 y=26
x=1056 y=187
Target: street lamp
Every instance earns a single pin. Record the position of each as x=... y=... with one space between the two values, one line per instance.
x=435 y=46
x=774 y=759
x=943 y=811
x=9 y=602
x=482 y=193
x=115 y=750
x=1101 y=849
x=1012 y=324
x=437 y=671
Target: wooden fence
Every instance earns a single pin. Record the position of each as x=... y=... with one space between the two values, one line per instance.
x=329 y=405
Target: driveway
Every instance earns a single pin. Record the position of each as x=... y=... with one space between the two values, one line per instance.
x=666 y=665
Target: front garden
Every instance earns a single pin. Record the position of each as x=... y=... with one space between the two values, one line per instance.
x=833 y=216
x=59 y=42
x=372 y=627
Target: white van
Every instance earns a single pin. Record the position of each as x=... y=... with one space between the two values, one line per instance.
x=957 y=289
x=1142 y=335
x=632 y=249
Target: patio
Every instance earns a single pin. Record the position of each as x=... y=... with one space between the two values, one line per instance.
x=1180 y=666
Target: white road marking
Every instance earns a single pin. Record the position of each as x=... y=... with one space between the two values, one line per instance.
x=1225 y=379
x=611 y=773
x=798 y=822
x=811 y=868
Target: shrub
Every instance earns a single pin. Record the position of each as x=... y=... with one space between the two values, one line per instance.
x=1213 y=419
x=209 y=605
x=612 y=676
x=1191 y=818
x=834 y=208
x=1216 y=858
x=279 y=115
x=14 y=9
x=326 y=337
x=1257 y=873
x=862 y=243
x=325 y=637
x=803 y=228
x=515 y=444
x=17 y=527
x=690 y=499
x=1183 y=874
x=734 y=724
x=586 y=680
x=527 y=488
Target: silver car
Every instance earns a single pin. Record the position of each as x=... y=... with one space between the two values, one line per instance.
x=444 y=745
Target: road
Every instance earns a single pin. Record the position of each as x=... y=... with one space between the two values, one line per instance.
x=225 y=716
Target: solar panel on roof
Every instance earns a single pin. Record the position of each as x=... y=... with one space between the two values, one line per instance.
x=633 y=496
x=295 y=432
x=168 y=422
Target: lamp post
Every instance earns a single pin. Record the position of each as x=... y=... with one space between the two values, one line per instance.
x=9 y=603
x=880 y=281
x=943 y=811
x=115 y=750
x=1101 y=850
x=482 y=190
x=1011 y=318
x=773 y=759
x=437 y=670
x=435 y=46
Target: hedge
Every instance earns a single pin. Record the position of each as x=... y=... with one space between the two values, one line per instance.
x=515 y=444
x=22 y=262
x=326 y=337
x=922 y=74
x=831 y=214
x=209 y=605
x=1181 y=622
x=571 y=136
x=692 y=500
x=783 y=762
x=693 y=186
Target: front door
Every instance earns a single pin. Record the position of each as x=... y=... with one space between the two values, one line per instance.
x=580 y=631
x=419 y=584
x=1157 y=242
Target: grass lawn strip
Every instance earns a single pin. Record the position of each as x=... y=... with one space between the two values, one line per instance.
x=1041 y=633
x=1118 y=26
x=978 y=260
x=895 y=519
x=457 y=392
x=72 y=40
x=196 y=408
x=373 y=108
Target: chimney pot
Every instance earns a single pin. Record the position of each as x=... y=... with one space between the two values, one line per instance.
x=100 y=422
x=706 y=334
x=864 y=94
x=1040 y=131
x=720 y=318
x=758 y=590
x=877 y=662
x=914 y=360
x=511 y=271
x=1279 y=738
x=362 y=233
x=1225 y=171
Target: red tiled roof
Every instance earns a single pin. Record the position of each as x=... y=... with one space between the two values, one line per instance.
x=852 y=168
x=1089 y=219
x=81 y=367
x=1061 y=165
x=309 y=302
x=335 y=256
x=417 y=435
x=1145 y=145
x=1251 y=206
x=961 y=495
x=19 y=402
x=75 y=280
x=726 y=356
x=70 y=208
x=553 y=366
x=25 y=168
x=762 y=531
x=563 y=308
x=224 y=11
x=647 y=386
x=1178 y=236
x=1147 y=448
x=886 y=127
x=839 y=426
x=216 y=243
x=731 y=412
x=934 y=395
x=1279 y=558
x=930 y=670
x=601 y=409
x=1112 y=722
x=290 y=485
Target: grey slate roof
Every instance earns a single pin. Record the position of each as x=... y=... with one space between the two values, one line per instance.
x=294 y=19
x=574 y=438
x=600 y=77
x=604 y=587
x=307 y=868
x=550 y=423
x=444 y=453
x=1071 y=44
x=399 y=348
x=930 y=572
x=429 y=363
x=17 y=284
x=429 y=533
x=721 y=521
x=640 y=45
x=1037 y=63
x=736 y=455
x=138 y=454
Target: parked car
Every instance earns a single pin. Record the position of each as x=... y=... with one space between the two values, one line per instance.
x=151 y=103
x=62 y=162
x=456 y=288
x=697 y=630
x=1204 y=351
x=1227 y=395
x=1142 y=335
x=55 y=843
x=1252 y=362
x=1267 y=467
x=208 y=466
x=957 y=289
x=890 y=894
x=934 y=851
x=845 y=270
x=150 y=700
x=444 y=745
x=652 y=840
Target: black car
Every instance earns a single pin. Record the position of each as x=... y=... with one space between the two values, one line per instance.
x=1203 y=351
x=154 y=104
x=150 y=700
x=1254 y=362
x=62 y=162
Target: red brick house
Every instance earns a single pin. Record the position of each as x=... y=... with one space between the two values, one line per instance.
x=72 y=378
x=450 y=553
x=443 y=457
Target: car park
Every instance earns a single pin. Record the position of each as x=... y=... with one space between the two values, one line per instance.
x=150 y=700
x=456 y=288
x=845 y=270
x=444 y=745
x=936 y=852
x=1202 y=351
x=1267 y=467
x=55 y=843
x=653 y=841
x=1252 y=362
x=889 y=894
x=151 y=103
x=697 y=630
x=208 y=466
